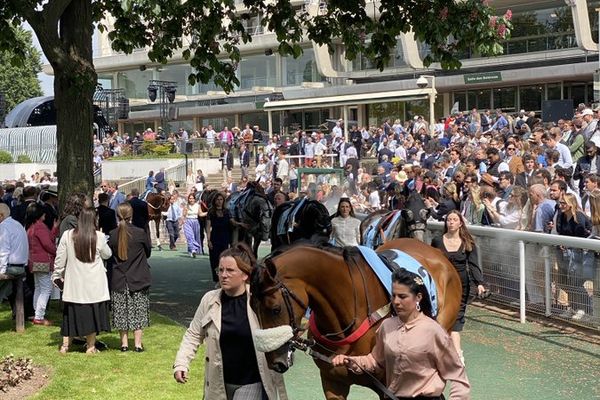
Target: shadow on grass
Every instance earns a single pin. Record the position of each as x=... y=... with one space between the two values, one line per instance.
x=546 y=337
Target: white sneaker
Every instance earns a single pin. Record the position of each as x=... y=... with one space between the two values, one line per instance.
x=578 y=315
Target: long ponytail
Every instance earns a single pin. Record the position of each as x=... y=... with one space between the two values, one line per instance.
x=125 y=212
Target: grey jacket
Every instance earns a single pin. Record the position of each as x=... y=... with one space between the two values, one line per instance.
x=206 y=327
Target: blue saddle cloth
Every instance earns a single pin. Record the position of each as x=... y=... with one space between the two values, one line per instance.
x=287 y=217
x=384 y=263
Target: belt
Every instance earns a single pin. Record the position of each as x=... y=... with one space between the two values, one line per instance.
x=16 y=265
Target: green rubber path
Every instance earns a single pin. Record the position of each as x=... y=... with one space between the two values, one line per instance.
x=505 y=360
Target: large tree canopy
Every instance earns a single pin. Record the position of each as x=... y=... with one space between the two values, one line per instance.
x=209 y=33
x=18 y=76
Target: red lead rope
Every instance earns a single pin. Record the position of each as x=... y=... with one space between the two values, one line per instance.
x=357 y=334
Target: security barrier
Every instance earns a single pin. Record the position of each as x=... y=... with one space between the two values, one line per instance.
x=551 y=275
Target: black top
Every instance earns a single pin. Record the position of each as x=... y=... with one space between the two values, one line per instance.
x=581 y=228
x=461 y=259
x=134 y=273
x=239 y=359
x=140 y=213
x=107 y=219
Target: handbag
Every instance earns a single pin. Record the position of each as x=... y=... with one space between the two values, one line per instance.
x=40 y=267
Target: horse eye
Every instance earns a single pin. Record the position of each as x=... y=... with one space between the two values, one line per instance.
x=276 y=310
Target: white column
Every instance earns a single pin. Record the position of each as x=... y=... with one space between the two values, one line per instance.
x=345 y=123
x=270 y=119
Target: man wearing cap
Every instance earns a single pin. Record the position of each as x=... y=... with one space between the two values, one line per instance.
x=49 y=200
x=592 y=124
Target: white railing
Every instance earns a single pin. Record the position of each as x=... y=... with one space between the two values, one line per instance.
x=539 y=273
x=177 y=174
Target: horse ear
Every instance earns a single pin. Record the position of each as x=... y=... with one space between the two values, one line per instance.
x=271 y=267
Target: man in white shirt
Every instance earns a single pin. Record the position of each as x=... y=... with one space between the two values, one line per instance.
x=591 y=128
x=550 y=140
x=337 y=130
x=14 y=249
x=210 y=137
x=283 y=168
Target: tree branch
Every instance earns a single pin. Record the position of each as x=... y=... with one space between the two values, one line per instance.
x=45 y=25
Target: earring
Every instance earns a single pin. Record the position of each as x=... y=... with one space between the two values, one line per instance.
x=418 y=306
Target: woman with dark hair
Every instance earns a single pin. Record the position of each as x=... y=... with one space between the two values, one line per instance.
x=42 y=250
x=191 y=226
x=459 y=247
x=415 y=352
x=218 y=231
x=75 y=203
x=131 y=278
x=345 y=226
x=225 y=321
x=79 y=271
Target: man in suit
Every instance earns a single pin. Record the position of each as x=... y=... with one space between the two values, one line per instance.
x=140 y=210
x=226 y=162
x=524 y=178
x=116 y=197
x=244 y=160
x=107 y=218
x=18 y=212
x=587 y=164
x=159 y=181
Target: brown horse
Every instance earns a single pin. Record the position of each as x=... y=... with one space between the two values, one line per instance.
x=342 y=291
x=157 y=204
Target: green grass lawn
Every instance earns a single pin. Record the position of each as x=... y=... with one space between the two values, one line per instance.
x=110 y=374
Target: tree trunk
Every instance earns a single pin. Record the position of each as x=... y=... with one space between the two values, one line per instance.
x=74 y=85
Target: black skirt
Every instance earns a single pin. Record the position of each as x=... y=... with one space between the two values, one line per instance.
x=85 y=319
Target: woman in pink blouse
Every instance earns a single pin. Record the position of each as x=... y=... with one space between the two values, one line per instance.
x=415 y=352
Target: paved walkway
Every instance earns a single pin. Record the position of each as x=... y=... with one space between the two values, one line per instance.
x=505 y=360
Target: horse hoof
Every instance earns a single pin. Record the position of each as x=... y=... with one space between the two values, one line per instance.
x=160 y=248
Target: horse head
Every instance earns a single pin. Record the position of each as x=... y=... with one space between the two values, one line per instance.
x=279 y=307
x=415 y=215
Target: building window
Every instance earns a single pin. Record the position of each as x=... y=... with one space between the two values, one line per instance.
x=302 y=69
x=505 y=98
x=135 y=83
x=257 y=70
x=530 y=97
x=553 y=91
x=219 y=123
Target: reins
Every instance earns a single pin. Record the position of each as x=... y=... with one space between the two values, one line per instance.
x=306 y=346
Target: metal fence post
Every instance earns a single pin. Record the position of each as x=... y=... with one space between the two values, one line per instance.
x=547 y=280
x=522 y=308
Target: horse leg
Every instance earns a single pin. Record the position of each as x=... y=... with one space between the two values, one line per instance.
x=334 y=389
x=157 y=226
x=255 y=244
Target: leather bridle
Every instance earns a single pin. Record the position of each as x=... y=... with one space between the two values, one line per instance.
x=288 y=296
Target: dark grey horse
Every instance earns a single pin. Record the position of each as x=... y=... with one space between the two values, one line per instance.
x=408 y=222
x=252 y=216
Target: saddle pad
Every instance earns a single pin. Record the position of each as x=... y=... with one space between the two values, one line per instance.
x=383 y=264
x=287 y=217
x=371 y=232
x=392 y=223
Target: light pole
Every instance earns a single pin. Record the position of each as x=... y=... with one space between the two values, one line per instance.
x=163 y=90
x=422 y=83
